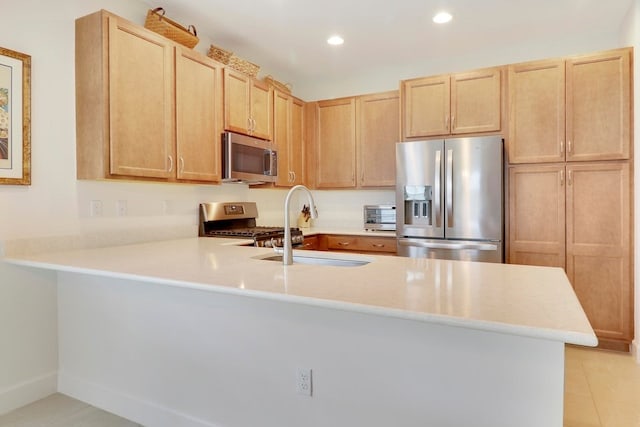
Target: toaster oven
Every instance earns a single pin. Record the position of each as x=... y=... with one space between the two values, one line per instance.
x=380 y=217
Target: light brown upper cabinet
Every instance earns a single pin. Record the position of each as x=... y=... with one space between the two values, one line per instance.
x=126 y=83
x=335 y=150
x=577 y=109
x=378 y=130
x=599 y=106
x=354 y=141
x=198 y=116
x=248 y=105
x=288 y=135
x=462 y=103
x=536 y=112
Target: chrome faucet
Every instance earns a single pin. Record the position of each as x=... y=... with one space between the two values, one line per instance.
x=287 y=254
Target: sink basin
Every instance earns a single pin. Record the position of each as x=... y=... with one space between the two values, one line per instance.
x=299 y=259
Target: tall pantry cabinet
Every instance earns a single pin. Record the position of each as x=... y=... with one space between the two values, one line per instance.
x=570 y=187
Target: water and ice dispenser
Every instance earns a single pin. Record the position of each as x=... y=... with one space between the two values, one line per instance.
x=417 y=204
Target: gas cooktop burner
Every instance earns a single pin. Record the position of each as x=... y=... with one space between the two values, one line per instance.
x=239 y=220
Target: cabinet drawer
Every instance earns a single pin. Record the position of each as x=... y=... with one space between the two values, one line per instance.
x=361 y=243
x=310 y=243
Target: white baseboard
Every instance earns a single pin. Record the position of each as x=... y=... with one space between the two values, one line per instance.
x=133 y=408
x=27 y=392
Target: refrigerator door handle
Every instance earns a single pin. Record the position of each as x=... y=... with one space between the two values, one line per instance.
x=454 y=246
x=437 y=188
x=449 y=189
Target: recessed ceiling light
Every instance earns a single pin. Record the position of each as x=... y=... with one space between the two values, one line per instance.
x=335 y=40
x=442 y=18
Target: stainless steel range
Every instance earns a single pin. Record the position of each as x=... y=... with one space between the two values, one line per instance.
x=238 y=220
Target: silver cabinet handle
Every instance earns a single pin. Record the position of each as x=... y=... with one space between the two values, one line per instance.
x=446 y=123
x=454 y=246
x=561 y=178
x=437 y=187
x=181 y=164
x=453 y=123
x=378 y=245
x=569 y=177
x=449 y=192
x=249 y=124
x=568 y=146
x=343 y=243
x=561 y=147
x=170 y=163
x=294 y=176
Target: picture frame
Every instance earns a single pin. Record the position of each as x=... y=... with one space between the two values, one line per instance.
x=15 y=117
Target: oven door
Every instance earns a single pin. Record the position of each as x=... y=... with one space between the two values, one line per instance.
x=247 y=159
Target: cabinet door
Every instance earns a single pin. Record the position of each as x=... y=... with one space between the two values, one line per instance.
x=425 y=106
x=378 y=130
x=261 y=97
x=236 y=101
x=198 y=116
x=141 y=102
x=297 y=141
x=599 y=245
x=336 y=144
x=537 y=215
x=537 y=112
x=476 y=101
x=598 y=106
x=282 y=135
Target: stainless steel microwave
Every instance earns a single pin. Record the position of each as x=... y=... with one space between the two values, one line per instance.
x=248 y=159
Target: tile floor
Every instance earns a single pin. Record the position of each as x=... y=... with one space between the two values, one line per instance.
x=602 y=389
x=59 y=410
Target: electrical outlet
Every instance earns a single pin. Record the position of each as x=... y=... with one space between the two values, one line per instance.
x=303 y=381
x=95 y=208
x=121 y=208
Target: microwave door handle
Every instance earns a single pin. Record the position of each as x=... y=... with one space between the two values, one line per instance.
x=271 y=162
x=437 y=187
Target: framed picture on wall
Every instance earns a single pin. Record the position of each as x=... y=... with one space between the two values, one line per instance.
x=15 y=117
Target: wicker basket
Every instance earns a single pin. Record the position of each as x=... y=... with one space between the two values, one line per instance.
x=229 y=58
x=219 y=54
x=282 y=87
x=158 y=23
x=244 y=66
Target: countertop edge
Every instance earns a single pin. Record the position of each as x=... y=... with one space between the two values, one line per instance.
x=568 y=337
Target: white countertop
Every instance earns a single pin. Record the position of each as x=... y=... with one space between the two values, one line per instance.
x=521 y=300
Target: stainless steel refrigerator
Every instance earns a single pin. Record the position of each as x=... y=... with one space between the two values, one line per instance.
x=449 y=199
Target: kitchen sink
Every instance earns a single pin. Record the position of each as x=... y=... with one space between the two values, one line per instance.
x=315 y=260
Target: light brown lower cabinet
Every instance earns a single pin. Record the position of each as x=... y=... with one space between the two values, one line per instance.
x=353 y=243
x=578 y=216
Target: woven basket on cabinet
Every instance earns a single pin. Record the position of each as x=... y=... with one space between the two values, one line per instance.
x=158 y=23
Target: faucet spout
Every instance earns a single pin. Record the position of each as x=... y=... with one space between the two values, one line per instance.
x=287 y=255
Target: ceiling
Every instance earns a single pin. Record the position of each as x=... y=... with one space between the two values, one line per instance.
x=287 y=38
